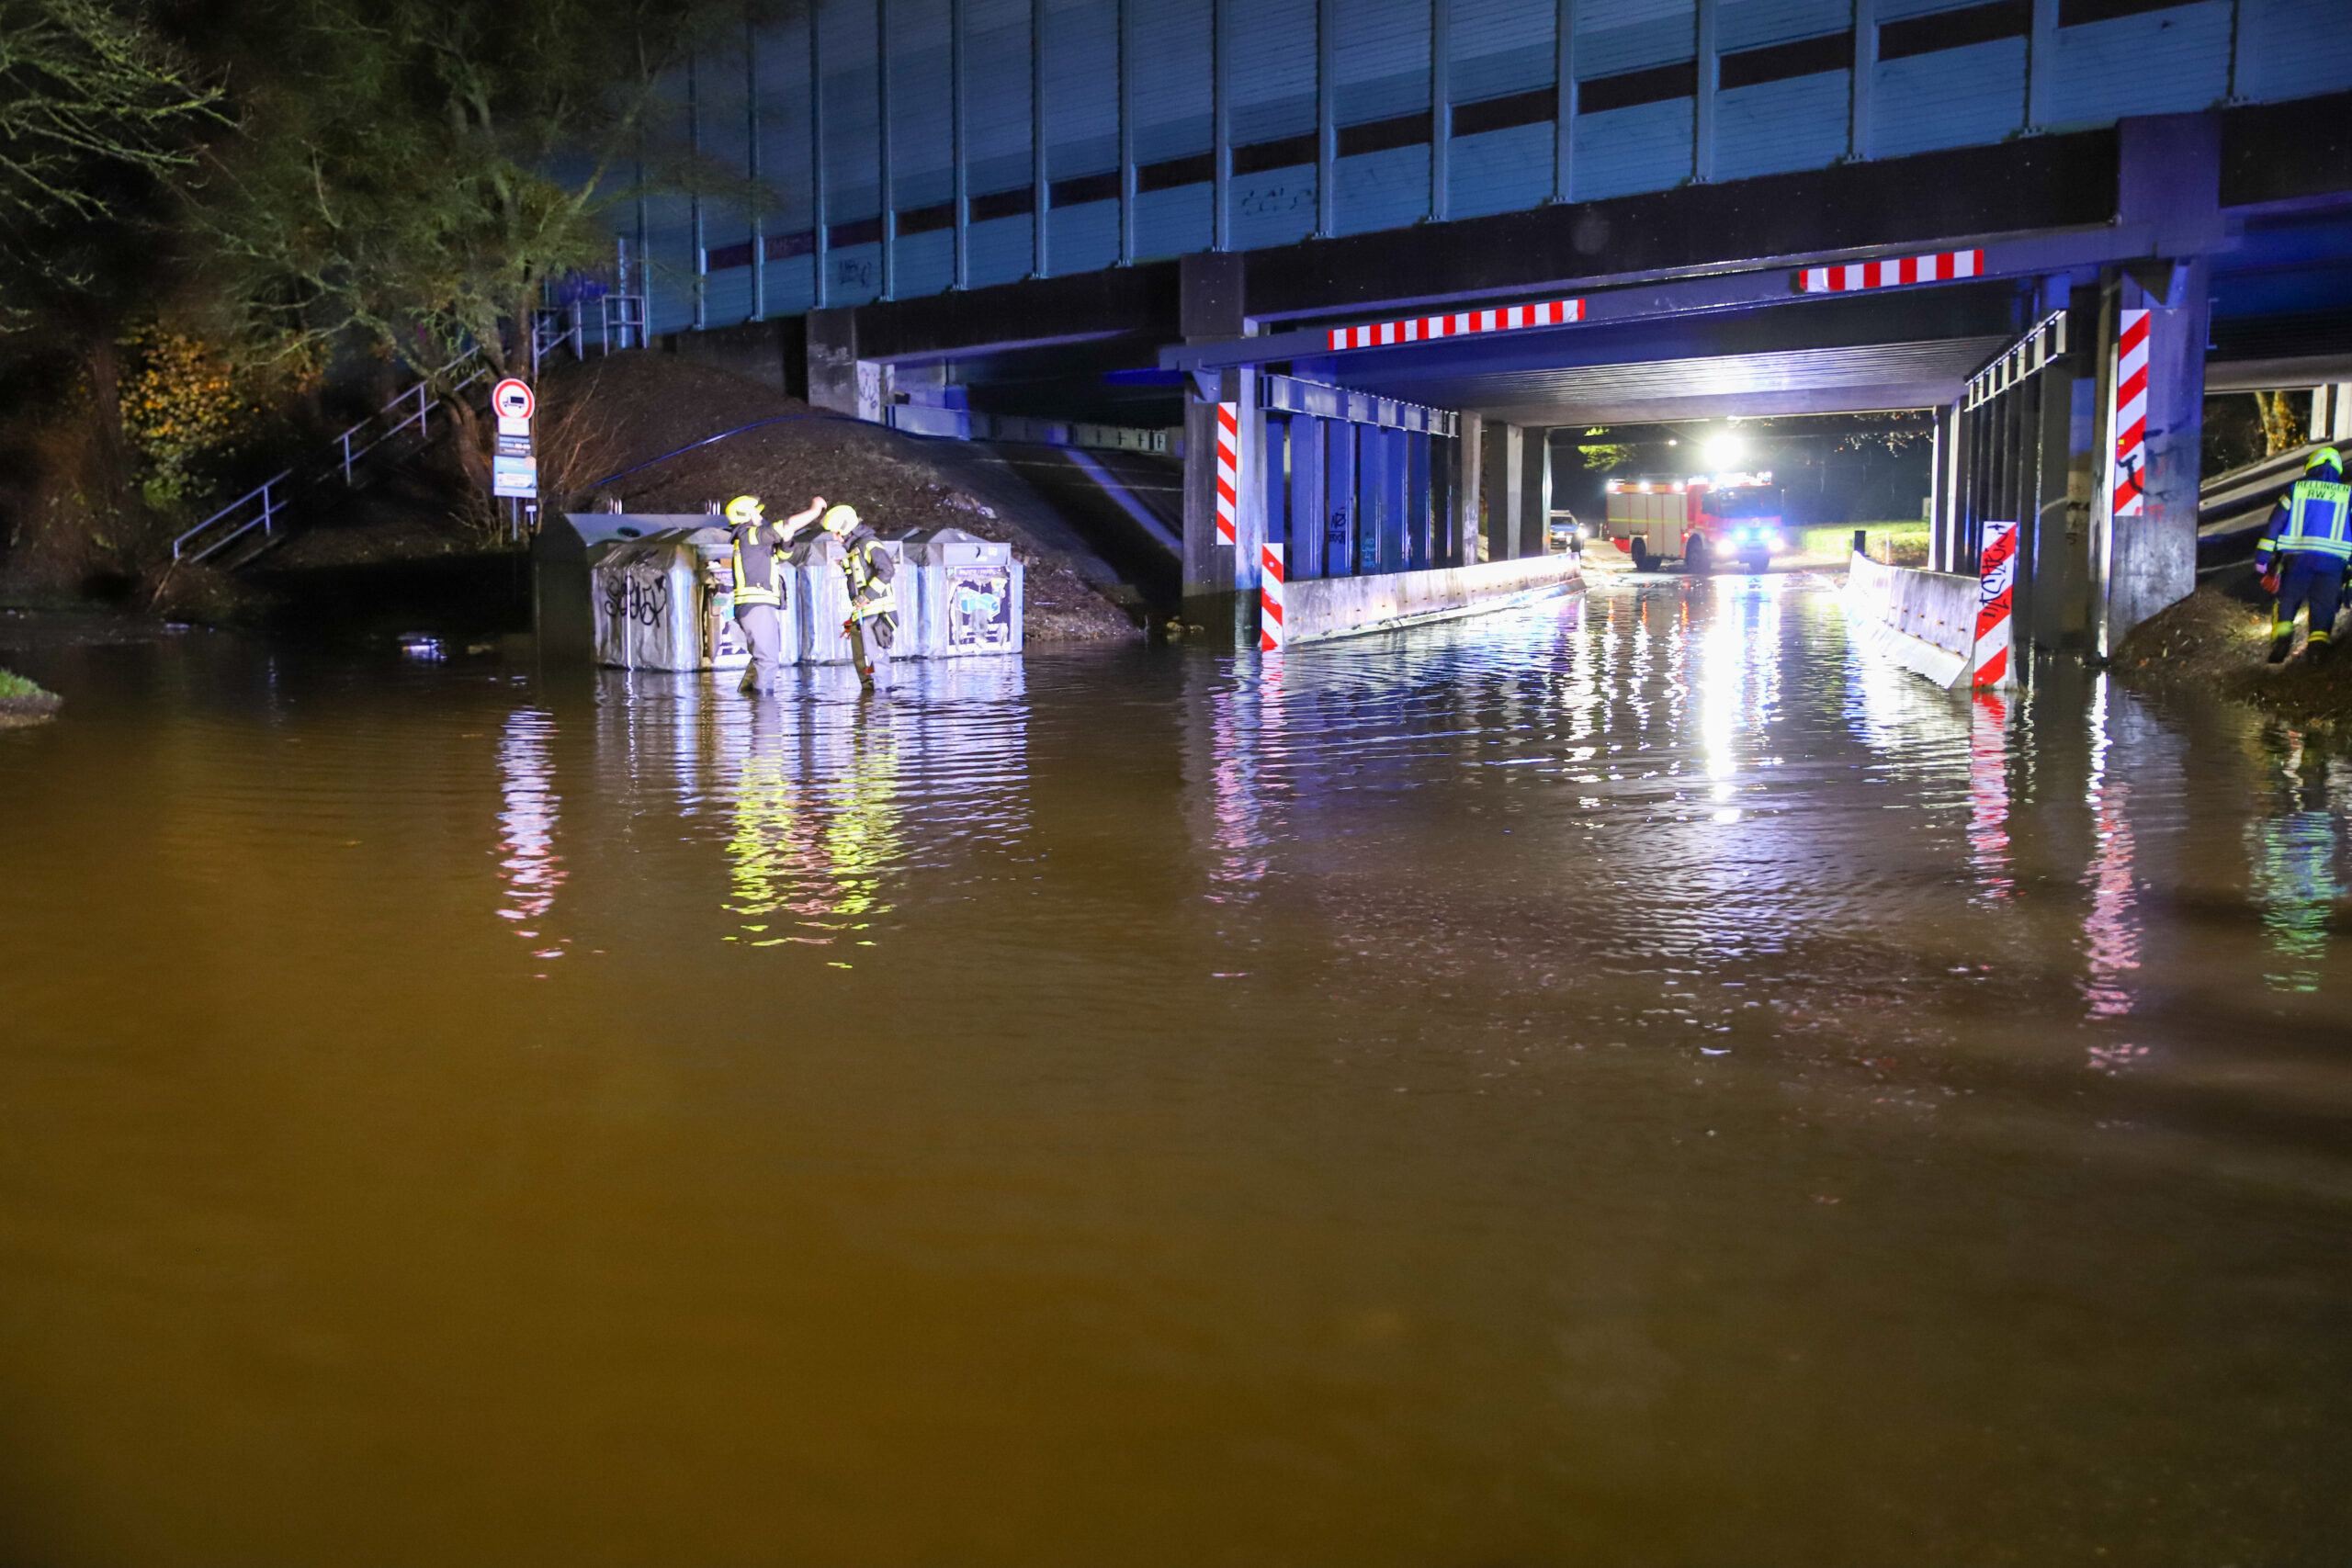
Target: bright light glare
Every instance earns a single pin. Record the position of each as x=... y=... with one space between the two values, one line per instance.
x=1724 y=451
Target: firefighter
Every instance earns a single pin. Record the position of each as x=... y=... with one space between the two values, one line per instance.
x=759 y=583
x=867 y=568
x=2302 y=555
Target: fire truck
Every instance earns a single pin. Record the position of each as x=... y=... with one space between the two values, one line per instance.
x=1704 y=520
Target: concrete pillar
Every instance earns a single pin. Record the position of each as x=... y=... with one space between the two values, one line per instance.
x=1208 y=564
x=2332 y=413
x=2168 y=177
x=2153 y=557
x=1420 y=541
x=1469 y=471
x=1536 y=491
x=1372 y=499
x=833 y=360
x=1340 y=504
x=1942 y=471
x=1504 y=465
x=2056 y=577
x=1307 y=508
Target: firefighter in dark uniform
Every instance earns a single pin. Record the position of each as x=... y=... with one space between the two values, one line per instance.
x=2302 y=555
x=759 y=547
x=869 y=568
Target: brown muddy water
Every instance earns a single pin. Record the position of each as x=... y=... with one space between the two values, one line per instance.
x=1622 y=1082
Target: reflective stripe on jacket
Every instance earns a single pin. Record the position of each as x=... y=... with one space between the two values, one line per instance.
x=2314 y=517
x=756 y=579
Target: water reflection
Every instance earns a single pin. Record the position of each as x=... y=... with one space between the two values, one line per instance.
x=2111 y=929
x=530 y=868
x=2294 y=855
x=1988 y=793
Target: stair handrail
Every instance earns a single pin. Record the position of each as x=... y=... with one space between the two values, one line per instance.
x=420 y=418
x=271 y=505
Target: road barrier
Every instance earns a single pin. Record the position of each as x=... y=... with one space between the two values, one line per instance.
x=1317 y=609
x=1924 y=620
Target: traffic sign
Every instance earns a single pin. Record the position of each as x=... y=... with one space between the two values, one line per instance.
x=514 y=475
x=512 y=399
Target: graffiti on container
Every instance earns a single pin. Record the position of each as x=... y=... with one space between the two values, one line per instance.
x=640 y=597
x=979 y=607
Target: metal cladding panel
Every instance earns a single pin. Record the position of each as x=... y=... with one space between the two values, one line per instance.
x=2293 y=49
x=1950 y=99
x=852 y=110
x=1620 y=152
x=1171 y=80
x=1501 y=171
x=791 y=287
x=925 y=263
x=1000 y=251
x=1085 y=237
x=1897 y=10
x=1501 y=46
x=780 y=65
x=855 y=276
x=2164 y=61
x=1383 y=190
x=727 y=297
x=1801 y=123
x=1171 y=222
x=1272 y=56
x=1273 y=208
x=921 y=104
x=1081 y=88
x=996 y=92
x=1752 y=24
x=1381 y=50
x=1630 y=35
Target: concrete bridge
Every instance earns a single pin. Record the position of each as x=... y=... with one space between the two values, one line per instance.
x=1385 y=246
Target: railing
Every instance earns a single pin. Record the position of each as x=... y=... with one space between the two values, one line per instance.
x=272 y=503
x=607 y=322
x=426 y=403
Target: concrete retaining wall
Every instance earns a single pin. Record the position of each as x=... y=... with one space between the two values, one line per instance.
x=1319 y=608
x=1924 y=620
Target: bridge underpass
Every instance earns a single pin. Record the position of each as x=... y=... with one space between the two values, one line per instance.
x=1856 y=288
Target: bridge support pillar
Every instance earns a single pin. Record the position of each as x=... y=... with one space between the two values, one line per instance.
x=1504 y=472
x=1536 y=491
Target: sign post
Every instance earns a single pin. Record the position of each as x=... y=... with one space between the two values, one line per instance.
x=514 y=469
x=1992 y=663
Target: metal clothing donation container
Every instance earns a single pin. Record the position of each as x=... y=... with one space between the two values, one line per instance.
x=965 y=594
x=824 y=594
x=665 y=599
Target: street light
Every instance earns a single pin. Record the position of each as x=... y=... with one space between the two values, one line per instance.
x=1726 y=450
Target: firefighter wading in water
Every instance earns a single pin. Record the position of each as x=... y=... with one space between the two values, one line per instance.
x=867 y=568
x=2302 y=555
x=759 y=581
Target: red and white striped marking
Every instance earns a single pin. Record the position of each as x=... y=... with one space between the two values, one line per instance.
x=2130 y=414
x=1270 y=599
x=1229 y=470
x=1997 y=581
x=1426 y=329
x=1943 y=266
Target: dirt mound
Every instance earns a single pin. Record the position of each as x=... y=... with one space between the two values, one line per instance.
x=2214 y=641
x=637 y=410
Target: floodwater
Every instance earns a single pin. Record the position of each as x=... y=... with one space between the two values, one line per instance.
x=1626 y=1081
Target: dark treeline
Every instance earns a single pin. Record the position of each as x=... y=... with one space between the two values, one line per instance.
x=226 y=224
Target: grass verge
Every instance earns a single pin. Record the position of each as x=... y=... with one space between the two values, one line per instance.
x=24 y=702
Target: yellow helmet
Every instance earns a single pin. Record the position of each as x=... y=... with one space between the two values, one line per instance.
x=2325 y=457
x=744 y=508
x=838 y=519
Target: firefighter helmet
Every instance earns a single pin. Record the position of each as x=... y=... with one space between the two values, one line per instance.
x=744 y=509
x=2325 y=457
x=838 y=519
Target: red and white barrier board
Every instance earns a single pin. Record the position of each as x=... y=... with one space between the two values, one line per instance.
x=1942 y=266
x=1996 y=581
x=1229 y=470
x=1270 y=598
x=2130 y=413
x=1426 y=329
